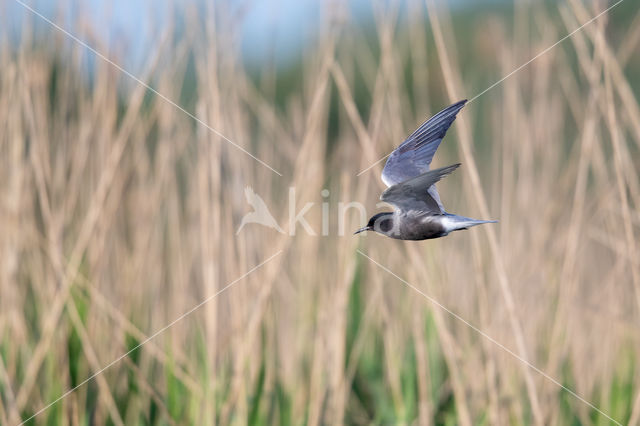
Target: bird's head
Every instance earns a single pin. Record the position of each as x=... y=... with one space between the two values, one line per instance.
x=381 y=223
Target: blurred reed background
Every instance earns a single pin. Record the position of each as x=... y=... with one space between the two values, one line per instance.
x=118 y=213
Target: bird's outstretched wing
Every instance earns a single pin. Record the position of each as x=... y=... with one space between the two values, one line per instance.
x=414 y=155
x=412 y=195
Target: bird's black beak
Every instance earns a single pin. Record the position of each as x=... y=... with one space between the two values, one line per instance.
x=366 y=228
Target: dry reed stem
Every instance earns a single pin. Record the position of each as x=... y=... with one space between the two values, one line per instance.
x=51 y=319
x=448 y=348
x=568 y=276
x=453 y=89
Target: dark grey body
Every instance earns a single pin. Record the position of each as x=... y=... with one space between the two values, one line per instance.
x=417 y=225
x=421 y=227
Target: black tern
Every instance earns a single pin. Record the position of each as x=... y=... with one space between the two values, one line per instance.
x=418 y=212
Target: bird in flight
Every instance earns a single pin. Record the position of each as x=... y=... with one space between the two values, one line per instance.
x=418 y=212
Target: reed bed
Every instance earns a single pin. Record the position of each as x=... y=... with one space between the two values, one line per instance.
x=119 y=212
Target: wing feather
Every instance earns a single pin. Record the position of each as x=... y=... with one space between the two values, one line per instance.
x=414 y=155
x=411 y=194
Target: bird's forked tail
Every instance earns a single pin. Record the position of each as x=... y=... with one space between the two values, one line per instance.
x=457 y=223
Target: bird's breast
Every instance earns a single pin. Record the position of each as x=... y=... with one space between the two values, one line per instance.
x=421 y=227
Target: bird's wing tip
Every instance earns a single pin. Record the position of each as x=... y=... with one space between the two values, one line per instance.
x=450 y=169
